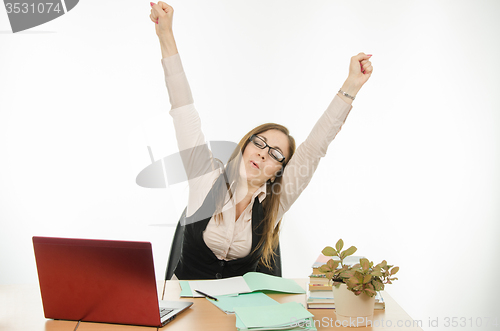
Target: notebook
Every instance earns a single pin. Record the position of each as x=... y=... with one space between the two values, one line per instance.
x=101 y=281
x=249 y=282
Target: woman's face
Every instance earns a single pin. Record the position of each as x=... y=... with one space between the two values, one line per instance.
x=257 y=165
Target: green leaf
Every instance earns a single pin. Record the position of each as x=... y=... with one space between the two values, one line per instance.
x=376 y=273
x=369 y=292
x=378 y=285
x=353 y=281
x=365 y=264
x=333 y=264
x=339 y=245
x=347 y=274
x=367 y=279
x=351 y=250
x=329 y=275
x=394 y=270
x=324 y=268
x=329 y=251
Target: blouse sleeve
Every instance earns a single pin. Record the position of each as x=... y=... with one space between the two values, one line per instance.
x=194 y=152
x=301 y=167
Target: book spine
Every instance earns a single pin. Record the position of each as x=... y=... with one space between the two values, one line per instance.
x=380 y=306
x=317 y=272
x=320 y=287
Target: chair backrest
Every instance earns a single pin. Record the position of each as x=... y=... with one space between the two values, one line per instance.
x=176 y=249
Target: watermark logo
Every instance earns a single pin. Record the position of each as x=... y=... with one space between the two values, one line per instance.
x=172 y=169
x=185 y=165
x=26 y=14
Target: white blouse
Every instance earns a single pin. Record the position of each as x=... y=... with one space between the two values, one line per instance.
x=232 y=238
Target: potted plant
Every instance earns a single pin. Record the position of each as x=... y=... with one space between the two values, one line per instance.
x=355 y=286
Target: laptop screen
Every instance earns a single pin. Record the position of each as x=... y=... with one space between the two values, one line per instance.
x=97 y=280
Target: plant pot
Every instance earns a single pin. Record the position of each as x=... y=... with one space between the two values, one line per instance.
x=352 y=310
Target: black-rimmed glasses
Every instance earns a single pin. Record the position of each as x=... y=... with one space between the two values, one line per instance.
x=273 y=152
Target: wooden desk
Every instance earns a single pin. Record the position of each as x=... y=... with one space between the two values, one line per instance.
x=21 y=309
x=17 y=300
x=205 y=316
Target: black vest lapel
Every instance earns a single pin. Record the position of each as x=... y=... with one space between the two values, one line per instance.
x=197 y=260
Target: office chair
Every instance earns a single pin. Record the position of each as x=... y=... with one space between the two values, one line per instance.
x=175 y=254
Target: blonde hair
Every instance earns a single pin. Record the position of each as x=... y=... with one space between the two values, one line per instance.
x=270 y=237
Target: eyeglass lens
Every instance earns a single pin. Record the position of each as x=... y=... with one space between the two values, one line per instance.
x=275 y=154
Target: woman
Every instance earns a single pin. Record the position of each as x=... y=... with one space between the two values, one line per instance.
x=234 y=213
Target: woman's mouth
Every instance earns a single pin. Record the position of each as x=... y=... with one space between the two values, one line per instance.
x=255 y=165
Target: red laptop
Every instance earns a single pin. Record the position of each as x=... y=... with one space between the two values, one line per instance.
x=101 y=281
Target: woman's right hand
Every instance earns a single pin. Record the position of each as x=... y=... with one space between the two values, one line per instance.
x=360 y=70
x=162 y=14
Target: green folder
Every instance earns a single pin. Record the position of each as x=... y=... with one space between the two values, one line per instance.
x=290 y=315
x=306 y=325
x=249 y=282
x=227 y=303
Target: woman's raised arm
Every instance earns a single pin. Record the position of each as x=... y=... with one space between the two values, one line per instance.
x=196 y=157
x=179 y=91
x=304 y=162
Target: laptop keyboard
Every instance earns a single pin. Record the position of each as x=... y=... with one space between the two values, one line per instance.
x=164 y=311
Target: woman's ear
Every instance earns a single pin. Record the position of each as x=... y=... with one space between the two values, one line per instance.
x=278 y=174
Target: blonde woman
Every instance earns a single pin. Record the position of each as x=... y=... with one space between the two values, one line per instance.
x=234 y=212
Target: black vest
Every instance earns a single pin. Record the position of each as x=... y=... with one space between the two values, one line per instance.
x=197 y=261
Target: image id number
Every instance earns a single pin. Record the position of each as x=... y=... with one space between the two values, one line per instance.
x=32 y=8
x=470 y=322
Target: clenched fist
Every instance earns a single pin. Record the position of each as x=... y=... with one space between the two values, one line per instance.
x=162 y=14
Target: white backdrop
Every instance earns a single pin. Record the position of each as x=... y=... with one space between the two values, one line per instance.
x=412 y=178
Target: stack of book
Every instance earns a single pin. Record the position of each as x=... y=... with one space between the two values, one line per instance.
x=317 y=301
x=320 y=294
x=318 y=283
